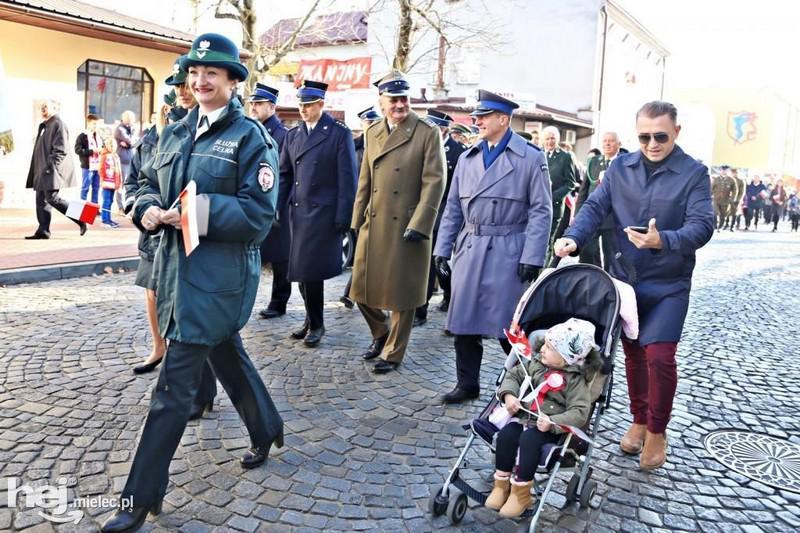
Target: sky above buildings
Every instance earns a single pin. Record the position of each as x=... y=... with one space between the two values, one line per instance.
x=713 y=43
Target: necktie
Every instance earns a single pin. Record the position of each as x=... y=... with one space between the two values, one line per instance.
x=310 y=129
x=202 y=127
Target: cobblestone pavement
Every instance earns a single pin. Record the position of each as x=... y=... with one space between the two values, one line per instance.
x=364 y=452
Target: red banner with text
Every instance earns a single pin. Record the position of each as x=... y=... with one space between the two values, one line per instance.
x=339 y=75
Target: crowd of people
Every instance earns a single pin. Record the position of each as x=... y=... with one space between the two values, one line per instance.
x=479 y=210
x=736 y=199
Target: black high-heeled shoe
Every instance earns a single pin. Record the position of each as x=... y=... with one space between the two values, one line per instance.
x=199 y=410
x=130 y=521
x=257 y=455
x=144 y=368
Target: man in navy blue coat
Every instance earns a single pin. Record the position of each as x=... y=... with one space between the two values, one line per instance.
x=318 y=180
x=275 y=248
x=660 y=201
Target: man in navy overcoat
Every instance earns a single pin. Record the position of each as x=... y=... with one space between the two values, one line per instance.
x=660 y=200
x=275 y=248
x=318 y=180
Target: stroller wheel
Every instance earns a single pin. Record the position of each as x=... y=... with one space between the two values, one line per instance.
x=437 y=505
x=572 y=489
x=457 y=508
x=588 y=492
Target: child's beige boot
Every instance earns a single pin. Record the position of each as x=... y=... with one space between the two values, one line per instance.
x=520 y=499
x=500 y=492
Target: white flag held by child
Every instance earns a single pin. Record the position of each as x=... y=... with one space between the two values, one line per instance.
x=83 y=211
x=188 y=200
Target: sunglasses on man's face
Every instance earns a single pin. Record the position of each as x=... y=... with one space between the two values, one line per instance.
x=660 y=138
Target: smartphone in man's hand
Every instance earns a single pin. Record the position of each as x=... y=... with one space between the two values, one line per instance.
x=638 y=229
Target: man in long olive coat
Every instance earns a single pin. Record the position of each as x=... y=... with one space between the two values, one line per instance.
x=399 y=190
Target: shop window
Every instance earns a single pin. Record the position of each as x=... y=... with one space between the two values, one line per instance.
x=110 y=88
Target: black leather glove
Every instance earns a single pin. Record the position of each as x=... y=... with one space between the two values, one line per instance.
x=341 y=228
x=527 y=273
x=413 y=236
x=442 y=266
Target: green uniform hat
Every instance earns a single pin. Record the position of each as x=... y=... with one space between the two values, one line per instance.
x=460 y=128
x=215 y=50
x=178 y=76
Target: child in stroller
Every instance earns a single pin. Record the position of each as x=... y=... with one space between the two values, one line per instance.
x=550 y=390
x=577 y=291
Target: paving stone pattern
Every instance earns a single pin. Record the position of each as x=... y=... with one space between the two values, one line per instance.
x=363 y=453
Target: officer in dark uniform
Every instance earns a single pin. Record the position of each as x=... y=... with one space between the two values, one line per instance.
x=563 y=174
x=275 y=248
x=595 y=171
x=367 y=117
x=460 y=133
x=452 y=150
x=318 y=180
x=205 y=298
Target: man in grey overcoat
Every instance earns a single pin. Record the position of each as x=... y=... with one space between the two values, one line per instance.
x=52 y=169
x=495 y=227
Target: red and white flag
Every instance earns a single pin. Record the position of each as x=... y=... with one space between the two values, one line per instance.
x=83 y=210
x=188 y=200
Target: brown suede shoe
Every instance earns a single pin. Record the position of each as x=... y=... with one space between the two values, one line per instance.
x=633 y=440
x=500 y=492
x=654 y=452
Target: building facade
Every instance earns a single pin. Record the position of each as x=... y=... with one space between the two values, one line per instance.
x=86 y=59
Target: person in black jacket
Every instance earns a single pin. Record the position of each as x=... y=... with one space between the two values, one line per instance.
x=88 y=146
x=367 y=117
x=275 y=248
x=452 y=151
x=51 y=169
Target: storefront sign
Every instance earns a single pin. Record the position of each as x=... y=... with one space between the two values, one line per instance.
x=339 y=75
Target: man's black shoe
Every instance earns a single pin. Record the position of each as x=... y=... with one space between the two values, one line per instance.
x=348 y=303
x=459 y=395
x=383 y=367
x=270 y=313
x=375 y=348
x=444 y=306
x=128 y=521
x=418 y=321
x=300 y=333
x=37 y=236
x=314 y=336
x=82 y=226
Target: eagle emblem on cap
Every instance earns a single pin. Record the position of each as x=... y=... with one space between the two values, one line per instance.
x=176 y=68
x=202 y=48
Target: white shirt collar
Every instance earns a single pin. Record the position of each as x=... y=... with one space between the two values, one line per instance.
x=213 y=116
x=311 y=125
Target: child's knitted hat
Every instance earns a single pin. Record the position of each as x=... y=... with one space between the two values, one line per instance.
x=573 y=340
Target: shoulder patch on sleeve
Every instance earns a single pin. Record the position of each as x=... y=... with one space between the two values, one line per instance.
x=266 y=176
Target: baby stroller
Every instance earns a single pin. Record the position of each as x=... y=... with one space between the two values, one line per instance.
x=580 y=291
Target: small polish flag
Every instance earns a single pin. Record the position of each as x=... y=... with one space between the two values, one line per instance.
x=83 y=211
x=188 y=200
